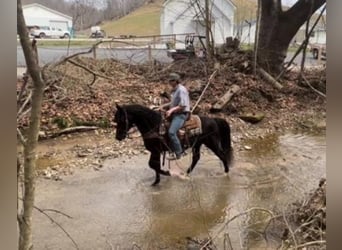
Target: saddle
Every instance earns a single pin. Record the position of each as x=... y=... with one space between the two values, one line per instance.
x=191 y=127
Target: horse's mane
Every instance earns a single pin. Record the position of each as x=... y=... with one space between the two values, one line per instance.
x=143 y=113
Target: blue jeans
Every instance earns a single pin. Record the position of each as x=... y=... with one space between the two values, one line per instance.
x=177 y=122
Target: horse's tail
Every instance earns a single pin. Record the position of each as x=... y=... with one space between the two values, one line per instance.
x=224 y=131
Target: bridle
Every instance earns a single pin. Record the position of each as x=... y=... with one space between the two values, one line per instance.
x=126 y=121
x=152 y=133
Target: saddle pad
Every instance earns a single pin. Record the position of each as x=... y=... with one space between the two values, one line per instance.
x=193 y=123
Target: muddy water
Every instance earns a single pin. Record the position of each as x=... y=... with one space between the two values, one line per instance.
x=116 y=208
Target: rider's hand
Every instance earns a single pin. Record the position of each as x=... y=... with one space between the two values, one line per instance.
x=168 y=113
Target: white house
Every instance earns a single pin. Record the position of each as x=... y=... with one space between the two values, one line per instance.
x=246 y=32
x=38 y=15
x=179 y=16
x=319 y=36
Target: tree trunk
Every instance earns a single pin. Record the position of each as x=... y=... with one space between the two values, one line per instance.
x=278 y=27
x=25 y=217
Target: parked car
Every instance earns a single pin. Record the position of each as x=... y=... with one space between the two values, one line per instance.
x=45 y=31
x=96 y=32
x=317 y=48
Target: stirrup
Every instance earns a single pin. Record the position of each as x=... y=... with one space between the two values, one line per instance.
x=173 y=157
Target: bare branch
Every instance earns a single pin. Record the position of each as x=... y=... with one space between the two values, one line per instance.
x=43 y=211
x=311 y=243
x=290 y=230
x=23 y=114
x=88 y=70
x=57 y=212
x=28 y=98
x=233 y=218
x=21 y=137
x=315 y=90
x=63 y=60
x=208 y=83
x=25 y=78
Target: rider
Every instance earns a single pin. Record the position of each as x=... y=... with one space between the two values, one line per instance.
x=178 y=112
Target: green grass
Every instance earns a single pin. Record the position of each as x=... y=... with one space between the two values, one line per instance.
x=251 y=47
x=63 y=43
x=244 y=46
x=144 y=21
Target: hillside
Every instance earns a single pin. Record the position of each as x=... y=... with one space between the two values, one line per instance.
x=146 y=20
x=143 y=21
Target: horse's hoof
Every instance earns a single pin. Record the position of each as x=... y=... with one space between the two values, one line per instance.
x=184 y=176
x=155 y=183
x=226 y=174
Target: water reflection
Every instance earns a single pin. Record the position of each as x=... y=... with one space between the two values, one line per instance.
x=186 y=209
x=286 y=173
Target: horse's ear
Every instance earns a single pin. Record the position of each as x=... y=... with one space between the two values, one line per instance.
x=118 y=107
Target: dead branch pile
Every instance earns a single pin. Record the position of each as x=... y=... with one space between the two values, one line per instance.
x=303 y=224
x=310 y=219
x=83 y=91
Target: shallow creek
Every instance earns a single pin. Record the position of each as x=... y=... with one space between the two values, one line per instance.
x=116 y=208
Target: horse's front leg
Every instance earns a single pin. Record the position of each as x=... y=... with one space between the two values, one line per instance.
x=154 y=163
x=196 y=154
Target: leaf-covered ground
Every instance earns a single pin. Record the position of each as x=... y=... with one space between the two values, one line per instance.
x=73 y=99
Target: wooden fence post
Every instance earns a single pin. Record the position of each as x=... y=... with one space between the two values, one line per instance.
x=149 y=54
x=94 y=51
x=319 y=54
x=35 y=49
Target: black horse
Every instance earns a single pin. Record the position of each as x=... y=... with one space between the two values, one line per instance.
x=215 y=135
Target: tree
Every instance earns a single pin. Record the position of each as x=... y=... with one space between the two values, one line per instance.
x=245 y=13
x=204 y=11
x=30 y=143
x=278 y=27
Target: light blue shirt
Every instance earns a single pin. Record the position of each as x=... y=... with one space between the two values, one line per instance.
x=180 y=97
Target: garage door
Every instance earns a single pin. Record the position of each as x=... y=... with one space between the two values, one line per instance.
x=59 y=24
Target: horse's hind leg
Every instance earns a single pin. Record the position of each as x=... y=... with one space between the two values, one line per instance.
x=157 y=180
x=215 y=147
x=196 y=154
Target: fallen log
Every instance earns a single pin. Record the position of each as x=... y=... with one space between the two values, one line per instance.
x=225 y=98
x=73 y=130
x=270 y=78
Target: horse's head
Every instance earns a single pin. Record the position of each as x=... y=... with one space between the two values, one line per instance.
x=123 y=123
